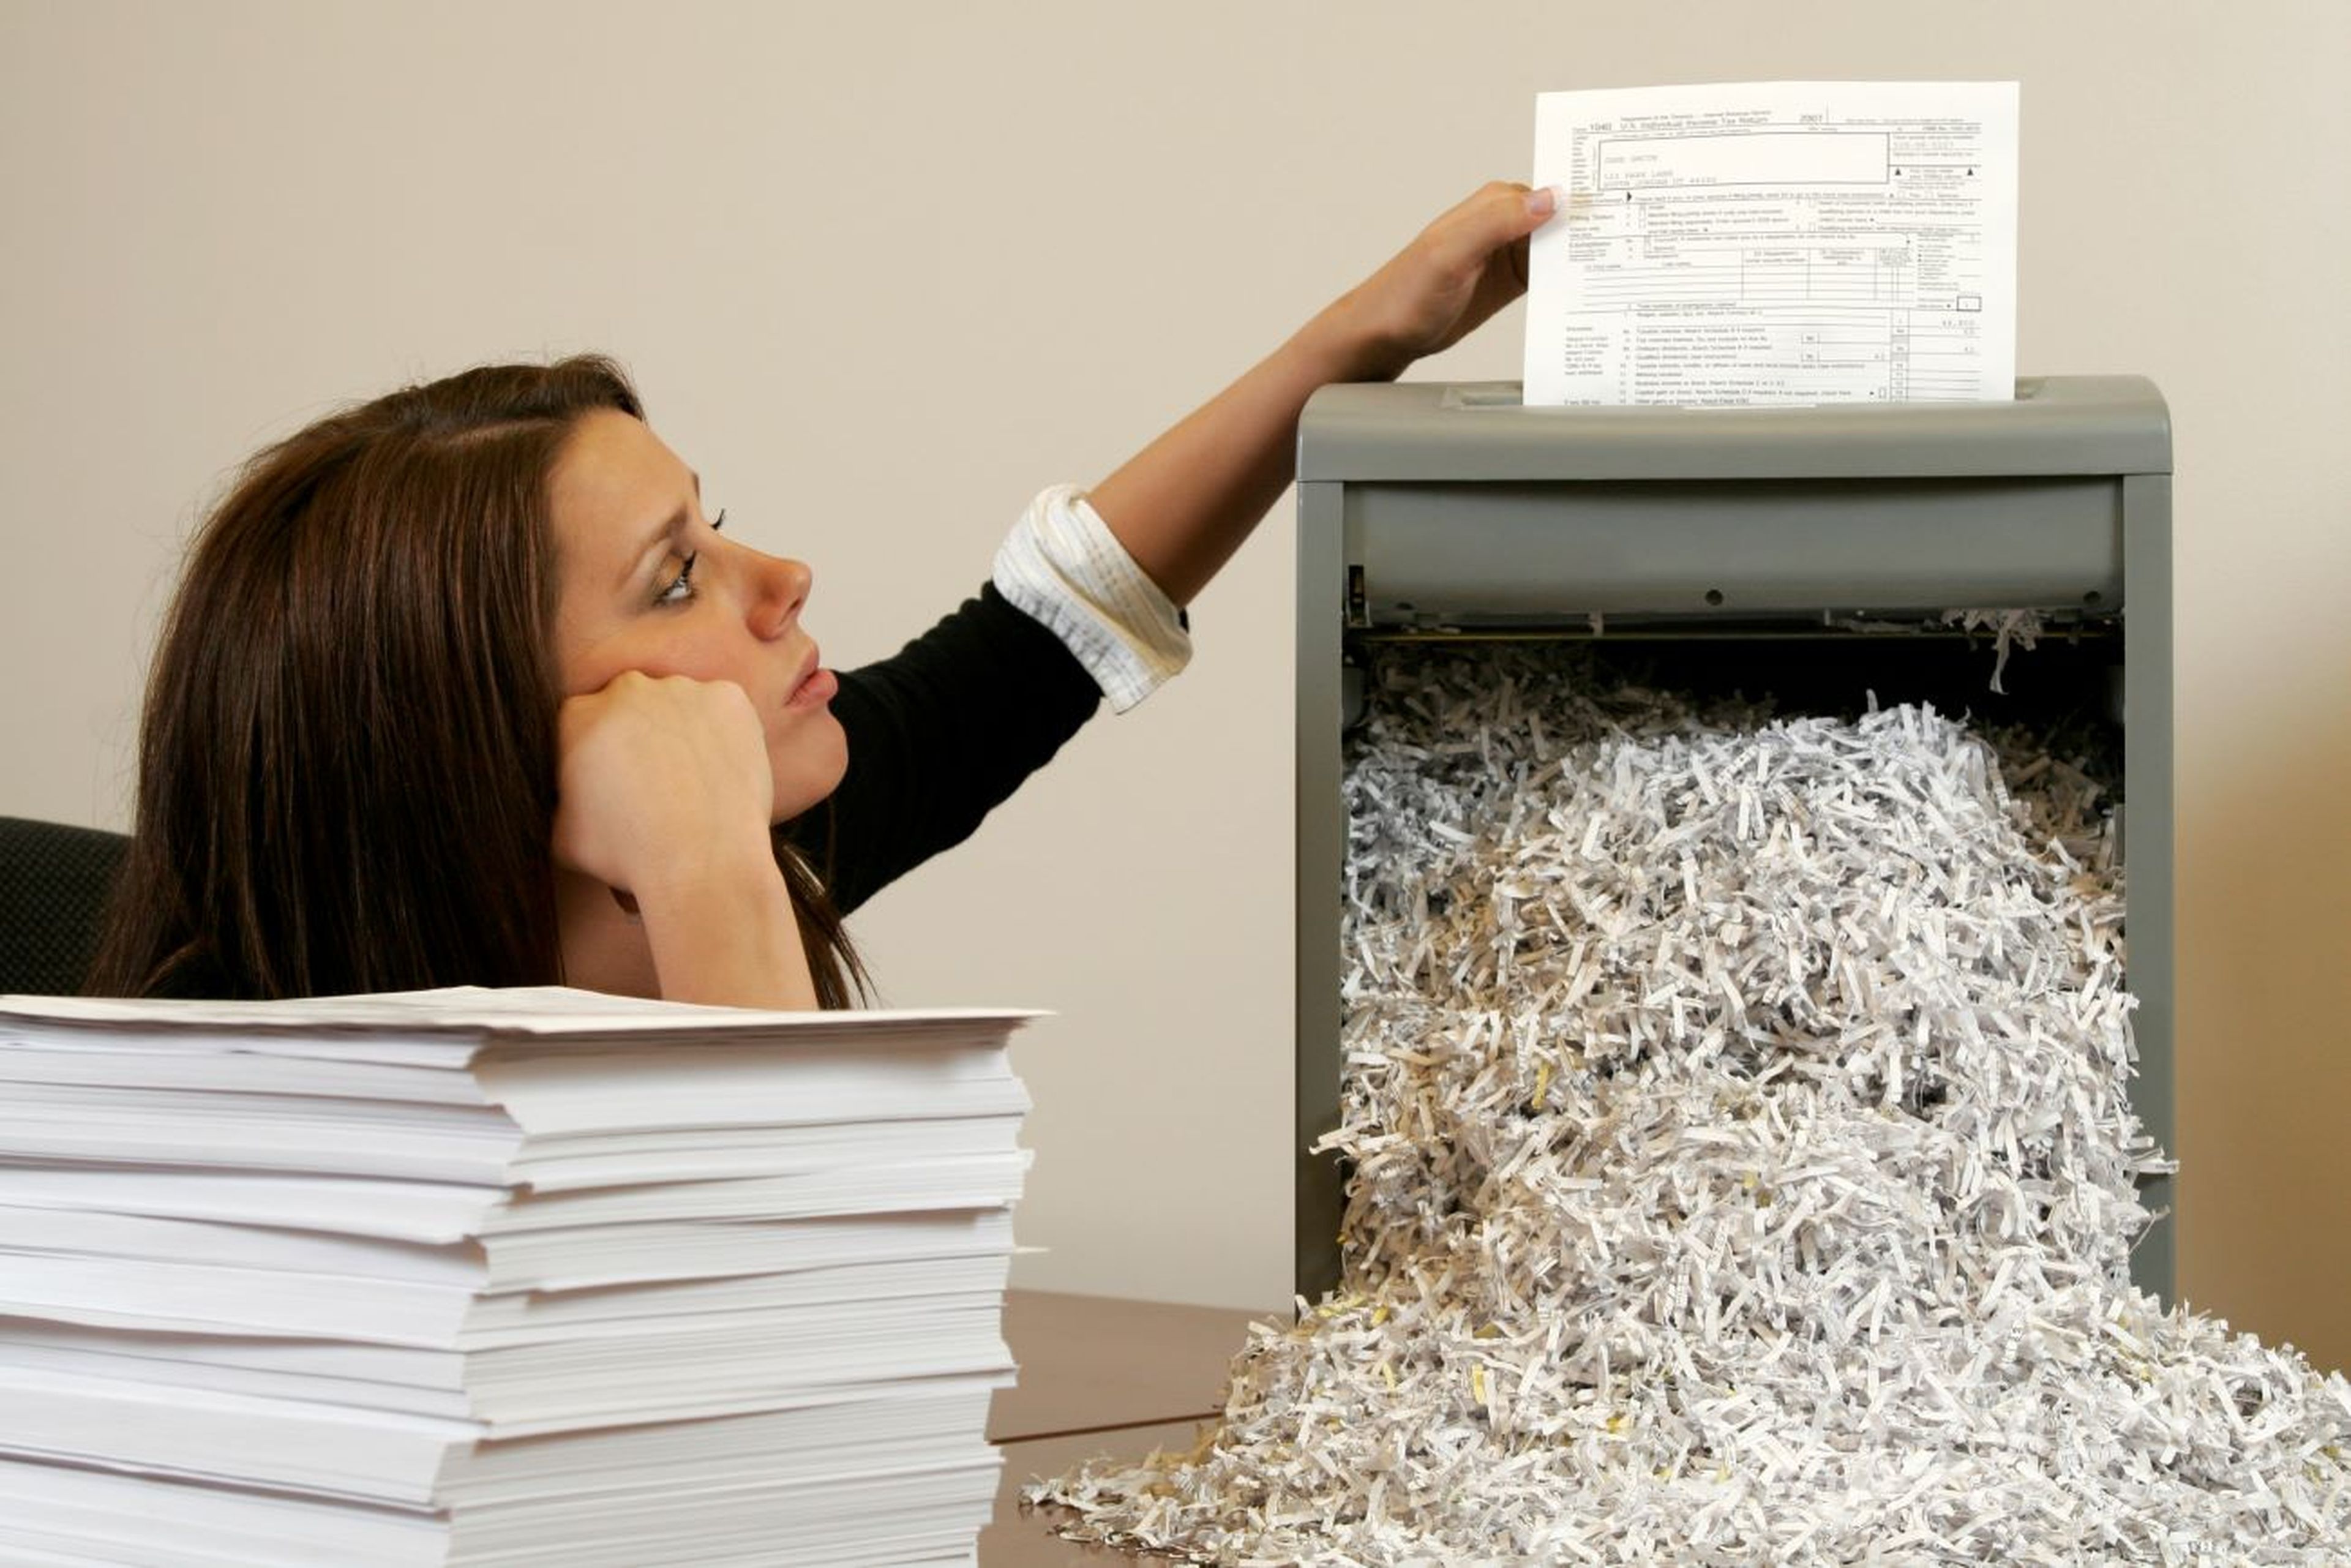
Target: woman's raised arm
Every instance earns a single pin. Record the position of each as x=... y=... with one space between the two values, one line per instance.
x=1183 y=504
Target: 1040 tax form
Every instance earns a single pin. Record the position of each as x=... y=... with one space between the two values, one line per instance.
x=1784 y=241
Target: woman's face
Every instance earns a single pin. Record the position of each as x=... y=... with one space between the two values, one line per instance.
x=644 y=582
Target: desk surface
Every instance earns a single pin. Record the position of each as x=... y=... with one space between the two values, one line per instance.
x=1098 y=1376
x=1018 y=1539
x=1088 y=1362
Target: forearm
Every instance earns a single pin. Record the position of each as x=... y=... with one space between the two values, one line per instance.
x=1183 y=504
x=728 y=941
x=1190 y=499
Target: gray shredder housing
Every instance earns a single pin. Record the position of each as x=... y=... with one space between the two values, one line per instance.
x=1442 y=511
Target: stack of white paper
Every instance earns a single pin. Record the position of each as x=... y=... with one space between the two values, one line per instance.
x=500 y=1277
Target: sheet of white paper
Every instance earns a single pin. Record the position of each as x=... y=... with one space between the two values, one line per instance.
x=549 y=1014
x=1776 y=243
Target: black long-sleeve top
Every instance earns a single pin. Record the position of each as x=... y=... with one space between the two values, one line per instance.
x=939 y=734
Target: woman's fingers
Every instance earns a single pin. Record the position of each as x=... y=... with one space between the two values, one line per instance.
x=1464 y=266
x=1492 y=219
x=660 y=778
x=1479 y=251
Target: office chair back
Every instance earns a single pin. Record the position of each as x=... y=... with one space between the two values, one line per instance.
x=54 y=881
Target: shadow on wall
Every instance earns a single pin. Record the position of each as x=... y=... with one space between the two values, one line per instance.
x=2264 y=1074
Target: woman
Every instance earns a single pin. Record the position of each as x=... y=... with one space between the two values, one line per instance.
x=462 y=687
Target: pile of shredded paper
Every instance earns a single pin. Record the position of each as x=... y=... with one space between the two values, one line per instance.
x=1743 y=1174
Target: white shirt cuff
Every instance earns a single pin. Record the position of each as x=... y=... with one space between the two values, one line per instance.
x=1062 y=566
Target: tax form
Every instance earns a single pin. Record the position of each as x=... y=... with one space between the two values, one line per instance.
x=1782 y=242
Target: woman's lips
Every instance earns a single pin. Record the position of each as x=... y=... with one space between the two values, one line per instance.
x=816 y=688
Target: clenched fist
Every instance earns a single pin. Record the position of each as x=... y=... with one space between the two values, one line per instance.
x=662 y=784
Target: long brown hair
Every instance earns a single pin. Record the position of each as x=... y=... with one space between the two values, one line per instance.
x=348 y=758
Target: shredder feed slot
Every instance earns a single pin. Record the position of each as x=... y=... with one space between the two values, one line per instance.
x=1496 y=552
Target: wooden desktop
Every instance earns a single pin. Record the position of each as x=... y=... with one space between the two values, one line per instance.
x=1098 y=1376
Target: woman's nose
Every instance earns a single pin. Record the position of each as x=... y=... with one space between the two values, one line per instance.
x=781 y=588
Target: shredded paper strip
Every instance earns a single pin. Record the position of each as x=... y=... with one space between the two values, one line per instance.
x=1743 y=1174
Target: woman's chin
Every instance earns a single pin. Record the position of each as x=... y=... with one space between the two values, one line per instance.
x=810 y=774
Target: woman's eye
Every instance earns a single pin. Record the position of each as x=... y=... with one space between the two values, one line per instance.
x=678 y=590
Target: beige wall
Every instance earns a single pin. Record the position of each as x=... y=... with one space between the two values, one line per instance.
x=884 y=270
